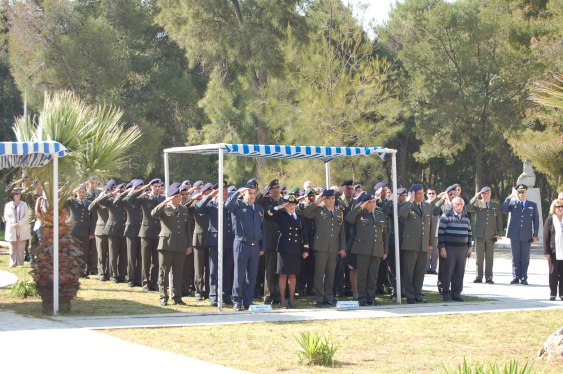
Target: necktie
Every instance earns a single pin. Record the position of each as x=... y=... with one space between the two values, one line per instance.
x=487 y=206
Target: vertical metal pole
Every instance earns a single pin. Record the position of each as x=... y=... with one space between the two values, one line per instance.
x=396 y=226
x=166 y=184
x=327 y=174
x=220 y=249
x=166 y=173
x=55 y=235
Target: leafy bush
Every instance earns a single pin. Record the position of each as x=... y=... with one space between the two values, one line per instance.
x=23 y=289
x=316 y=349
x=511 y=367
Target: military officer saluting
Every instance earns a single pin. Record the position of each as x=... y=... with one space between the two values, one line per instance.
x=173 y=244
x=269 y=198
x=101 y=237
x=83 y=227
x=329 y=243
x=132 y=228
x=418 y=240
x=487 y=230
x=114 y=229
x=248 y=245
x=522 y=231
x=369 y=245
x=148 y=233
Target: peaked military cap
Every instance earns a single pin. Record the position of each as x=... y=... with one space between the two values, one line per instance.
x=273 y=183
x=253 y=183
x=155 y=180
x=293 y=190
x=485 y=189
x=348 y=182
x=521 y=187
x=173 y=189
x=327 y=193
x=366 y=197
x=290 y=198
x=401 y=190
x=197 y=184
x=207 y=187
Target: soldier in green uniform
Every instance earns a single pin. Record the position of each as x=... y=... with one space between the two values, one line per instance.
x=102 y=238
x=173 y=244
x=114 y=229
x=418 y=240
x=148 y=233
x=488 y=229
x=369 y=245
x=329 y=242
x=132 y=228
x=83 y=227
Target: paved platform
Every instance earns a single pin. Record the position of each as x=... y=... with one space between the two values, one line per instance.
x=70 y=337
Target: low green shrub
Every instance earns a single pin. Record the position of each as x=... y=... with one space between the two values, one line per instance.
x=316 y=349
x=23 y=289
x=511 y=367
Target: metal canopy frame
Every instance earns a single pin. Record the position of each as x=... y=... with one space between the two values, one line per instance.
x=38 y=154
x=289 y=152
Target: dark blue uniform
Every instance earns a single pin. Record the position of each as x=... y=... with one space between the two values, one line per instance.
x=249 y=233
x=522 y=228
x=210 y=208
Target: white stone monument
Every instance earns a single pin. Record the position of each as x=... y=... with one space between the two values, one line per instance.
x=528 y=177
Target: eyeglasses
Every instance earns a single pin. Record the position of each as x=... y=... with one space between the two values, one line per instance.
x=559 y=207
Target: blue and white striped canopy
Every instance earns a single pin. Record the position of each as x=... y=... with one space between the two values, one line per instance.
x=324 y=153
x=29 y=154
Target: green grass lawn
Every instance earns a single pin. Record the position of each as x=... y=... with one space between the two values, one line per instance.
x=418 y=344
x=106 y=298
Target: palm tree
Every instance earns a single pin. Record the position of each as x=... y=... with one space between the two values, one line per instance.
x=549 y=94
x=97 y=143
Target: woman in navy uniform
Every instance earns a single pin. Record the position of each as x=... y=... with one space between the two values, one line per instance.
x=291 y=246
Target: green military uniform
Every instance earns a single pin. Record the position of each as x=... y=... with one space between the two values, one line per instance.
x=114 y=229
x=488 y=224
x=201 y=251
x=83 y=226
x=172 y=244
x=329 y=239
x=370 y=246
x=101 y=238
x=418 y=235
x=148 y=233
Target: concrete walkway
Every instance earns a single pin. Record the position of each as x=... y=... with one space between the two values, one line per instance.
x=71 y=337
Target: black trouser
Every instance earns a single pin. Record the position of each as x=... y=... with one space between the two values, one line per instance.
x=149 y=254
x=555 y=275
x=117 y=257
x=270 y=276
x=188 y=274
x=134 y=260
x=454 y=270
x=201 y=266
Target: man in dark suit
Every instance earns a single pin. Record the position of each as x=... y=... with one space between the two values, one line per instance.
x=522 y=231
x=369 y=245
x=249 y=243
x=132 y=228
x=173 y=244
x=418 y=240
x=148 y=233
x=83 y=227
x=102 y=238
x=201 y=250
x=487 y=230
x=114 y=229
x=329 y=242
x=209 y=206
x=269 y=198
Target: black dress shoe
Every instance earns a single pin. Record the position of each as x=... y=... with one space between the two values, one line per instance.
x=179 y=302
x=213 y=303
x=267 y=300
x=411 y=301
x=478 y=280
x=94 y=272
x=421 y=300
x=457 y=298
x=163 y=302
x=490 y=281
x=433 y=272
x=552 y=298
x=515 y=281
x=330 y=303
x=131 y=284
x=237 y=307
x=363 y=303
x=524 y=282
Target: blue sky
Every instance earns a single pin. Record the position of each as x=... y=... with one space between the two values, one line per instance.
x=375 y=10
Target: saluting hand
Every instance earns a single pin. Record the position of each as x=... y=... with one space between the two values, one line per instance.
x=189 y=251
x=363 y=205
x=342 y=253
x=305 y=255
x=319 y=199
